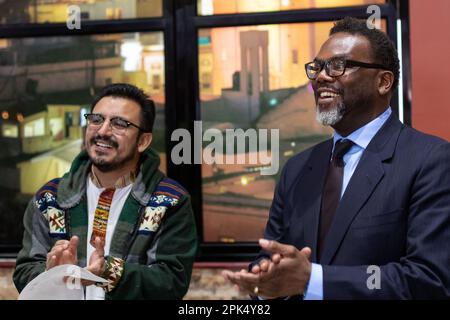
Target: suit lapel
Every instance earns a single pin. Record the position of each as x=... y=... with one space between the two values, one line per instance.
x=364 y=180
x=366 y=176
x=311 y=184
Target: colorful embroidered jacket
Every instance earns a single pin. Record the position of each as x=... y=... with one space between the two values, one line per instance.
x=154 y=243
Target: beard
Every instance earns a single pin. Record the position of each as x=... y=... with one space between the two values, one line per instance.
x=332 y=116
x=105 y=165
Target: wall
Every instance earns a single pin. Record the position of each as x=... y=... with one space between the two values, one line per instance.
x=430 y=49
x=207 y=283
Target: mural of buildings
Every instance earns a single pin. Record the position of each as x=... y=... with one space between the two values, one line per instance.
x=253 y=77
x=47 y=166
x=49 y=65
x=50 y=129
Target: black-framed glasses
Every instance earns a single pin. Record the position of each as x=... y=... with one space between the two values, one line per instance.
x=117 y=124
x=336 y=67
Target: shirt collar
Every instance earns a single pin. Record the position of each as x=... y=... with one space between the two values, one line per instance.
x=122 y=182
x=365 y=134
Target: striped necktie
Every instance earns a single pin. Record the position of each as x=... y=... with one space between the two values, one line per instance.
x=101 y=215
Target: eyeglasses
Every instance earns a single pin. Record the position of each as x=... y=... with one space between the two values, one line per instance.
x=117 y=124
x=336 y=67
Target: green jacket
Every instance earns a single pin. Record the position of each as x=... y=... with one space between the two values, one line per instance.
x=154 y=243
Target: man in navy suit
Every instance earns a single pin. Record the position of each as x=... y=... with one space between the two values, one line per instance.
x=366 y=214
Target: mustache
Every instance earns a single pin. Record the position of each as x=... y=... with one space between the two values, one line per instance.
x=105 y=140
x=339 y=91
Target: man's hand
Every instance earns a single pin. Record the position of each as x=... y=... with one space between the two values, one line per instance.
x=244 y=286
x=259 y=269
x=96 y=261
x=63 y=252
x=286 y=274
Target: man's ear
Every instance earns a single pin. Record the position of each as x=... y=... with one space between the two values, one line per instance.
x=144 y=141
x=385 y=82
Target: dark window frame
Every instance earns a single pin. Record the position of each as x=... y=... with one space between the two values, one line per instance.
x=180 y=24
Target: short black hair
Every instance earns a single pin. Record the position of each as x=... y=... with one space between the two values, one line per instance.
x=383 y=49
x=129 y=91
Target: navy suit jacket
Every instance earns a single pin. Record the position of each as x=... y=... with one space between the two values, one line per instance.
x=395 y=213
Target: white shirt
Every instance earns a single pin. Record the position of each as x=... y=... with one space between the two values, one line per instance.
x=93 y=193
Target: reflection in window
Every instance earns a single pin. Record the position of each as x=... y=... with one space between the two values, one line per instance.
x=46 y=85
x=48 y=11
x=10 y=130
x=210 y=7
x=253 y=77
x=34 y=128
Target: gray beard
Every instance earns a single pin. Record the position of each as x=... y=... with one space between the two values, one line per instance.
x=330 y=117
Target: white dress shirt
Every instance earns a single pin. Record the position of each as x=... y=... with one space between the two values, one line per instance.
x=93 y=193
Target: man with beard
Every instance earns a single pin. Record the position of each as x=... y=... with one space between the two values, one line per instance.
x=114 y=212
x=366 y=214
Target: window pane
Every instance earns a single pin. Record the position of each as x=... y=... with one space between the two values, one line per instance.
x=210 y=7
x=44 y=11
x=47 y=84
x=253 y=78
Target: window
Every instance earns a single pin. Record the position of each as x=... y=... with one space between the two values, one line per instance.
x=42 y=106
x=251 y=77
x=10 y=130
x=34 y=128
x=232 y=64
x=237 y=198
